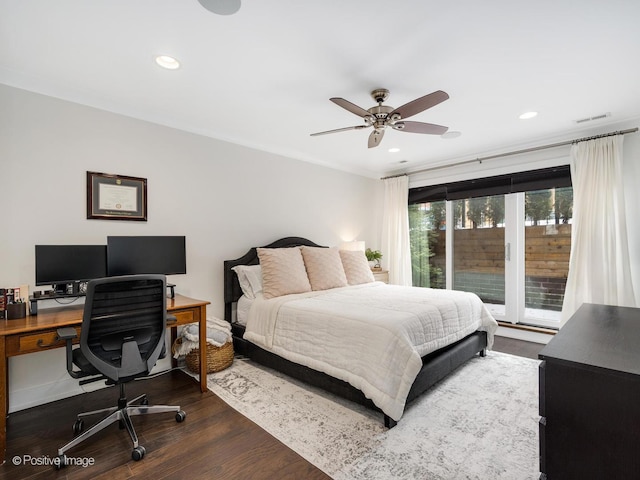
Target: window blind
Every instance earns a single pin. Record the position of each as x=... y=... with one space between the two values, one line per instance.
x=544 y=178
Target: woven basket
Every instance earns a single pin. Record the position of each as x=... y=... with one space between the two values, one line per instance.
x=218 y=358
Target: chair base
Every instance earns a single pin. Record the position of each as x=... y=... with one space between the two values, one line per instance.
x=122 y=414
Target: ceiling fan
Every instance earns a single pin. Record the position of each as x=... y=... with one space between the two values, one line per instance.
x=382 y=116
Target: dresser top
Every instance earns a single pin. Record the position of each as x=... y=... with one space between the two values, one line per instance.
x=601 y=336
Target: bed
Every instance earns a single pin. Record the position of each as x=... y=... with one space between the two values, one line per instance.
x=445 y=352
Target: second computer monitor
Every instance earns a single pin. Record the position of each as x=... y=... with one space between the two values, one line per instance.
x=146 y=254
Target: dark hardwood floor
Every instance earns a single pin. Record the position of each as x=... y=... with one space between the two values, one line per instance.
x=215 y=441
x=517 y=347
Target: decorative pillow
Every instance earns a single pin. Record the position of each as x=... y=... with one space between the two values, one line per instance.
x=324 y=268
x=250 y=278
x=356 y=267
x=283 y=272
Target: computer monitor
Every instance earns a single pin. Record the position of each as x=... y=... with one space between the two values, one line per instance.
x=146 y=254
x=64 y=264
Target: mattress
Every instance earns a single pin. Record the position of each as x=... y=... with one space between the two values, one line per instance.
x=372 y=335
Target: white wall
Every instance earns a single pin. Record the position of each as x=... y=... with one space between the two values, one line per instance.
x=224 y=198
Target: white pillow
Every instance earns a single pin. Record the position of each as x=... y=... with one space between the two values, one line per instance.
x=250 y=278
x=324 y=268
x=283 y=272
x=356 y=267
x=242 y=309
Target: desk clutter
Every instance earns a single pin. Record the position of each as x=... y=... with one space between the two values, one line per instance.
x=219 y=353
x=12 y=302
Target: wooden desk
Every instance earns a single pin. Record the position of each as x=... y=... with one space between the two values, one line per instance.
x=39 y=332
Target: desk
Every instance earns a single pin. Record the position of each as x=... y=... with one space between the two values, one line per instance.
x=36 y=333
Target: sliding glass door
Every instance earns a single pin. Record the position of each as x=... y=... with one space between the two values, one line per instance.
x=548 y=217
x=478 y=249
x=511 y=250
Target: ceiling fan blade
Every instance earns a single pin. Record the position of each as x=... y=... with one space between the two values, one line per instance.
x=420 y=104
x=353 y=108
x=375 y=138
x=420 y=127
x=355 y=127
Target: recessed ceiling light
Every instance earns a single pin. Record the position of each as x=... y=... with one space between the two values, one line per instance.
x=450 y=134
x=394 y=150
x=527 y=115
x=168 y=62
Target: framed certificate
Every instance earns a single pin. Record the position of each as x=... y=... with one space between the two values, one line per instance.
x=116 y=197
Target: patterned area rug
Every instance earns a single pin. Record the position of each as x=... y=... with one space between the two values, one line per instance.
x=481 y=422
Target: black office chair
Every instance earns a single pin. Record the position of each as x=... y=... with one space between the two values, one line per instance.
x=122 y=337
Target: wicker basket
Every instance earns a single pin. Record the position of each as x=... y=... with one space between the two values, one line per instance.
x=218 y=358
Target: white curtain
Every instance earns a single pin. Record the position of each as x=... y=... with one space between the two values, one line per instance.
x=395 y=230
x=599 y=269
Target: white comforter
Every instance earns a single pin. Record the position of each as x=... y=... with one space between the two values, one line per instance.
x=372 y=336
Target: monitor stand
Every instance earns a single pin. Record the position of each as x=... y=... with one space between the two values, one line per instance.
x=71 y=288
x=172 y=290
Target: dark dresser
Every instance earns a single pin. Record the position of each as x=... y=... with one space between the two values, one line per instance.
x=590 y=397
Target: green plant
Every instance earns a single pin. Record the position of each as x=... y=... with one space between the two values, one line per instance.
x=373 y=255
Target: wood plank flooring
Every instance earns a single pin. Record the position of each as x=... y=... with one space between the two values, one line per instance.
x=215 y=441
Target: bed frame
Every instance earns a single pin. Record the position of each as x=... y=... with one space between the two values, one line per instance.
x=435 y=366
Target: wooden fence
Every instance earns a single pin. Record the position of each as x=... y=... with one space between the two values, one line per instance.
x=479 y=262
x=482 y=250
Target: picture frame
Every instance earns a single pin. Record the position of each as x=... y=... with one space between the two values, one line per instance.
x=116 y=197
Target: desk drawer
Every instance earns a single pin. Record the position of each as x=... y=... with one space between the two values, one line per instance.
x=186 y=316
x=35 y=342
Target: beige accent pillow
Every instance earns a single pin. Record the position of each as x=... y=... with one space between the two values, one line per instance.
x=324 y=268
x=356 y=267
x=283 y=272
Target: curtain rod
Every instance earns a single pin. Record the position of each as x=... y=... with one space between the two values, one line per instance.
x=516 y=152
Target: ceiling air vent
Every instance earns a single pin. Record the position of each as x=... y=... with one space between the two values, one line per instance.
x=596 y=117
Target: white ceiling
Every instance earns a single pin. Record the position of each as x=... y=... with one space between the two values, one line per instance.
x=263 y=76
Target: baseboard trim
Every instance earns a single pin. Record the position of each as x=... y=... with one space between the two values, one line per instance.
x=526 y=334
x=528 y=328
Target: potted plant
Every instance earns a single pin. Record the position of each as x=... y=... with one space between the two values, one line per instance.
x=374 y=257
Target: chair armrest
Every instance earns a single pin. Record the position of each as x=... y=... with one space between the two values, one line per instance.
x=67 y=333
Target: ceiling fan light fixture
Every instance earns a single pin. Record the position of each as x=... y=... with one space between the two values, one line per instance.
x=221 y=7
x=382 y=116
x=168 y=62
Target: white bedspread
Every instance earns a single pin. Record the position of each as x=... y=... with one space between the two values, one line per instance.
x=372 y=336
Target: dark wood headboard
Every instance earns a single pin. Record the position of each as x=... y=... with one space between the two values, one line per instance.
x=232 y=290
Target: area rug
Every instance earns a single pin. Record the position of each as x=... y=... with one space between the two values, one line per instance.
x=481 y=422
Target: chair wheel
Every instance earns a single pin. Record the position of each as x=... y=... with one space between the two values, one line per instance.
x=138 y=453
x=180 y=416
x=61 y=462
x=78 y=425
